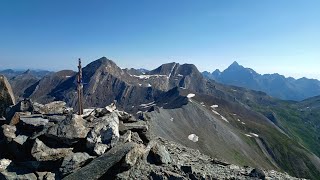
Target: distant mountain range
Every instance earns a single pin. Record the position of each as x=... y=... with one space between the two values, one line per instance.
x=275 y=85
x=9 y=73
x=239 y=125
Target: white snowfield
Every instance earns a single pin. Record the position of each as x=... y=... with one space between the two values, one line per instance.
x=225 y=119
x=193 y=137
x=252 y=135
x=216 y=112
x=255 y=135
x=214 y=106
x=148 y=105
x=191 y=95
x=149 y=76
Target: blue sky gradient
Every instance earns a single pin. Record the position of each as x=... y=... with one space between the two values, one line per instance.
x=268 y=36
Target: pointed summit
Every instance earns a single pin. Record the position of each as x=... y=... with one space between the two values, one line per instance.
x=235 y=63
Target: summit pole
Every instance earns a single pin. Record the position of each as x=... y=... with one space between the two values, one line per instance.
x=80 y=88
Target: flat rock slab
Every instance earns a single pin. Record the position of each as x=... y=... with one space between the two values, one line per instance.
x=136 y=126
x=99 y=166
x=34 y=120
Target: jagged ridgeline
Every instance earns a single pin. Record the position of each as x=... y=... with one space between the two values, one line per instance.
x=174 y=102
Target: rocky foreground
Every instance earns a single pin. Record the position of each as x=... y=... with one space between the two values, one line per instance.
x=51 y=142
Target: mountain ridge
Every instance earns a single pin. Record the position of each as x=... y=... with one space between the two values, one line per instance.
x=276 y=85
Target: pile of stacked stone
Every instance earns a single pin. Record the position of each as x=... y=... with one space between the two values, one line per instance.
x=51 y=142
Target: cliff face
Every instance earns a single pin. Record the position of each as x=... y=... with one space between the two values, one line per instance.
x=6 y=95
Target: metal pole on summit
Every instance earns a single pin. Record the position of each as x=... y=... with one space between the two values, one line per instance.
x=80 y=88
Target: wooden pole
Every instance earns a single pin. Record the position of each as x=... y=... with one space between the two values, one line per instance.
x=80 y=88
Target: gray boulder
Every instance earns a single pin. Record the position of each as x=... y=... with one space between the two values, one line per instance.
x=99 y=166
x=41 y=152
x=4 y=164
x=6 y=95
x=105 y=134
x=74 y=162
x=134 y=156
x=159 y=155
x=70 y=130
x=257 y=173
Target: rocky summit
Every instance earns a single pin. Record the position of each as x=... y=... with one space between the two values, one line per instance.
x=51 y=142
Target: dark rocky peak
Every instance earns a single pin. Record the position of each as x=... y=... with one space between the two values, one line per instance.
x=188 y=69
x=102 y=66
x=102 y=62
x=164 y=69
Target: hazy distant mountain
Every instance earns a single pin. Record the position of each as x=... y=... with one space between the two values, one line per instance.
x=275 y=85
x=10 y=73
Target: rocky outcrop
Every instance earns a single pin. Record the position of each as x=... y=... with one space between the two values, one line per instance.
x=6 y=95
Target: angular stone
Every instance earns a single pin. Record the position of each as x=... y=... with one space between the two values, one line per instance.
x=159 y=155
x=15 y=119
x=41 y=152
x=134 y=155
x=111 y=107
x=17 y=175
x=126 y=137
x=99 y=166
x=46 y=176
x=73 y=162
x=56 y=107
x=21 y=139
x=70 y=130
x=4 y=163
x=125 y=117
x=9 y=131
x=136 y=138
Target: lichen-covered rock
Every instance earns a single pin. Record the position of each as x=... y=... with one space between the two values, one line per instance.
x=41 y=152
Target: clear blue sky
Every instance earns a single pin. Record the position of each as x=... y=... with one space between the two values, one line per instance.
x=267 y=35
